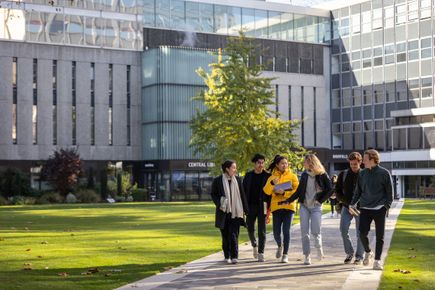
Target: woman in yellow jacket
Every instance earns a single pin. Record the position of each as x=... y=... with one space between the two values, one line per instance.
x=281 y=185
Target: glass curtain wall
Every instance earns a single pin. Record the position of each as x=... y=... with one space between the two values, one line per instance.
x=385 y=49
x=228 y=20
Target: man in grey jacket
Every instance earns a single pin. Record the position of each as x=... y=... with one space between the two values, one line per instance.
x=374 y=192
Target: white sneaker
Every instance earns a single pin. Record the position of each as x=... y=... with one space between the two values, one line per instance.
x=284 y=258
x=261 y=257
x=367 y=258
x=278 y=252
x=255 y=252
x=234 y=261
x=307 y=260
x=320 y=255
x=228 y=261
x=377 y=265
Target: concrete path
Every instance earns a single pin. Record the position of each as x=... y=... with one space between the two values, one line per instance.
x=212 y=273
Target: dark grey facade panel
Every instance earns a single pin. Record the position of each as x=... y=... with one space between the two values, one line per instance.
x=379 y=111
x=390 y=107
x=281 y=64
x=318 y=59
x=336 y=115
x=293 y=57
x=357 y=113
x=368 y=112
x=346 y=115
x=402 y=105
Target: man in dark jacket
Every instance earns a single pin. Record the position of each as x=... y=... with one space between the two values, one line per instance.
x=374 y=192
x=258 y=203
x=344 y=188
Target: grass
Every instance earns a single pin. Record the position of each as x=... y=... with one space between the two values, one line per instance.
x=126 y=242
x=412 y=248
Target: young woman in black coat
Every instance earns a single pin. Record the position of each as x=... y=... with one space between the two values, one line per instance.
x=231 y=205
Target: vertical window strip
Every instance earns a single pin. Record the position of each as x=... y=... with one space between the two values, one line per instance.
x=110 y=104
x=92 y=103
x=35 y=103
x=289 y=102
x=74 y=101
x=14 y=100
x=128 y=105
x=277 y=100
x=315 y=117
x=302 y=117
x=54 y=88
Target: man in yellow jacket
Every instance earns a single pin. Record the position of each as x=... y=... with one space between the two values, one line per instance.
x=281 y=185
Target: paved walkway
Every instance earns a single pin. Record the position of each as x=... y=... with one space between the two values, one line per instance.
x=211 y=273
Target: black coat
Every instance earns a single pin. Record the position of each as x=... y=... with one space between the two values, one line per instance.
x=322 y=181
x=247 y=186
x=217 y=191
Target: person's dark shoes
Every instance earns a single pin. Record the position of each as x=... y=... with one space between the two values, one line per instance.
x=348 y=259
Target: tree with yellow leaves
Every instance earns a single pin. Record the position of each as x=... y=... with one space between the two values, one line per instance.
x=237 y=120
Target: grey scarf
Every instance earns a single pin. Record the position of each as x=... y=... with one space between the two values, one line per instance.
x=232 y=203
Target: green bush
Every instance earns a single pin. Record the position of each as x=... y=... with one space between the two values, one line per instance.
x=139 y=194
x=88 y=196
x=16 y=200
x=49 y=197
x=3 y=201
x=70 y=198
x=14 y=182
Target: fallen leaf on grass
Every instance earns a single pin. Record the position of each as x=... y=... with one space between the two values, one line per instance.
x=72 y=235
x=26 y=228
x=411 y=249
x=416 y=280
x=28 y=250
x=62 y=274
x=27 y=266
x=44 y=243
x=94 y=270
x=167 y=268
x=2 y=239
x=40 y=257
x=402 y=271
x=121 y=248
x=298 y=259
x=107 y=274
x=412 y=257
x=115 y=270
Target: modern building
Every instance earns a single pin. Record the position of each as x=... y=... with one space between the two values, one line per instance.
x=115 y=79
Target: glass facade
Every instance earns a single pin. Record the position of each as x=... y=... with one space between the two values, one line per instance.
x=168 y=85
x=228 y=20
x=382 y=61
x=110 y=24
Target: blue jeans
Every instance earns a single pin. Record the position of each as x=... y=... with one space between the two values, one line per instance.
x=345 y=221
x=282 y=220
x=313 y=215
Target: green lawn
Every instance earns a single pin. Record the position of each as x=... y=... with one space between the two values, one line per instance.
x=126 y=242
x=412 y=248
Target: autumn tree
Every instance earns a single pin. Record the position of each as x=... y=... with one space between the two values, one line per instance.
x=62 y=169
x=238 y=120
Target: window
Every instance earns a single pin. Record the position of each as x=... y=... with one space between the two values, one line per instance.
x=54 y=87
x=426 y=47
x=356 y=96
x=35 y=103
x=92 y=77
x=14 y=99
x=110 y=104
x=336 y=99
x=414 y=88
x=347 y=97
x=426 y=87
x=128 y=105
x=367 y=95
x=378 y=92
x=74 y=99
x=401 y=91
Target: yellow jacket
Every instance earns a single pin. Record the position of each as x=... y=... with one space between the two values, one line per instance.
x=288 y=175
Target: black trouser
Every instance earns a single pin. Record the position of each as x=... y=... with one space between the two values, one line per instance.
x=257 y=211
x=365 y=220
x=230 y=237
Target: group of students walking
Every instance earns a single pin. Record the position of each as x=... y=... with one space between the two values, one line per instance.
x=365 y=194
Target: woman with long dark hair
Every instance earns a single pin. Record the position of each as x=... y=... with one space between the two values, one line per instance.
x=281 y=185
x=231 y=205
